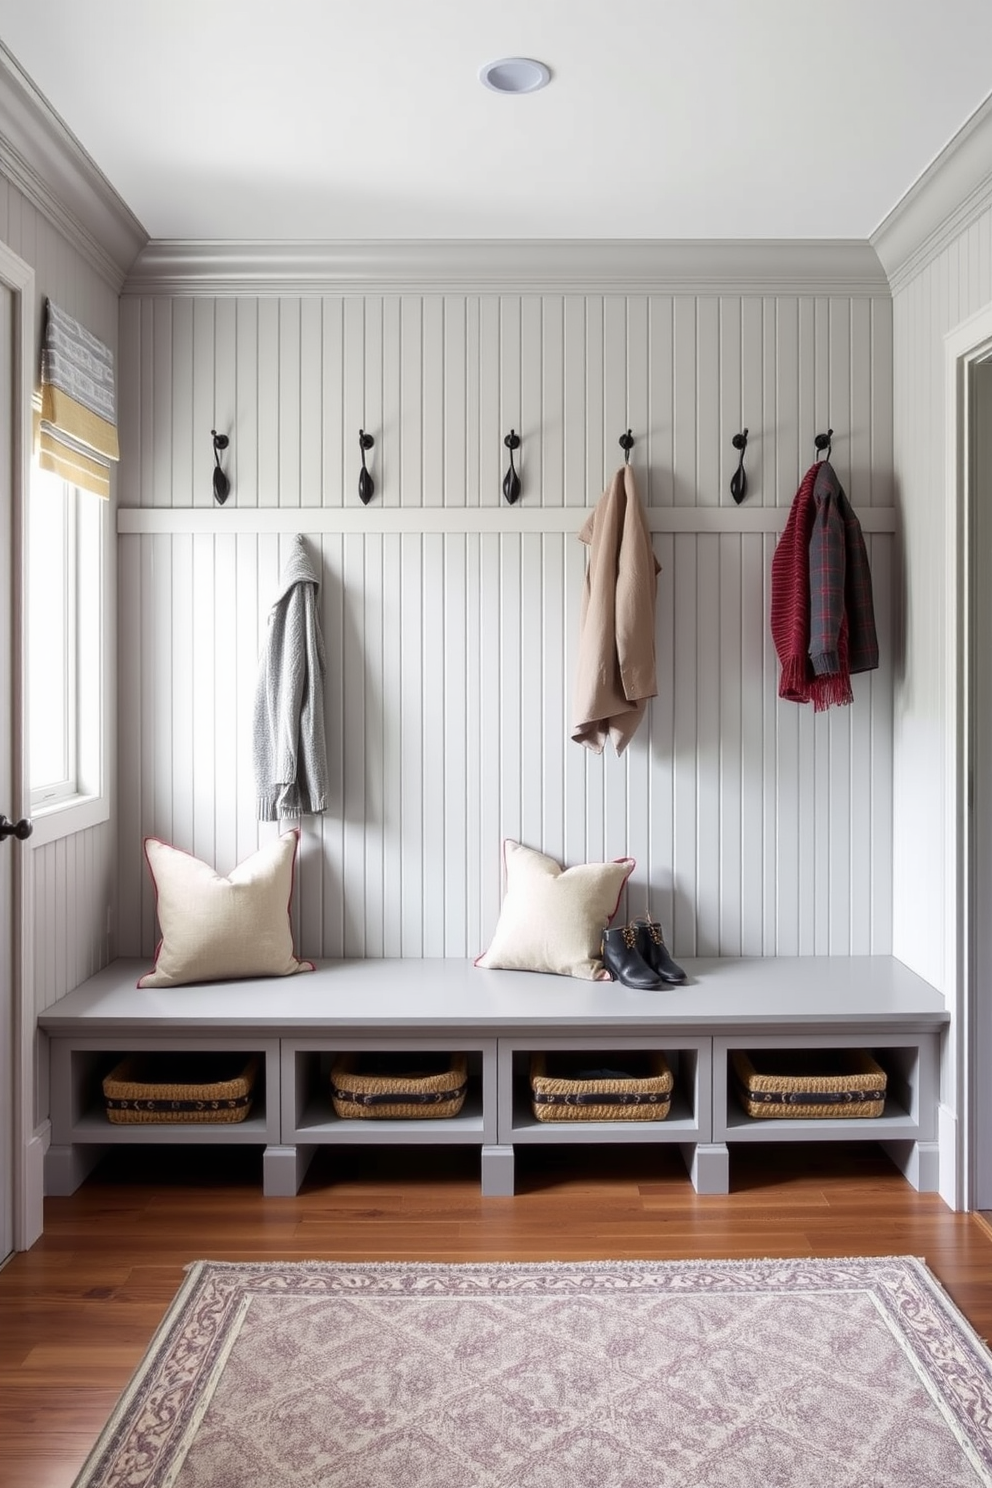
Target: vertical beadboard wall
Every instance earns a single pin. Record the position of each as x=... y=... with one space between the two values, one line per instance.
x=758 y=828
x=73 y=880
x=950 y=285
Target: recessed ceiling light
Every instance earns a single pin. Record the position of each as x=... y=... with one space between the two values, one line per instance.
x=515 y=75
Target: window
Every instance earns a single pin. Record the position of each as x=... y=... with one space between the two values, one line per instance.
x=66 y=670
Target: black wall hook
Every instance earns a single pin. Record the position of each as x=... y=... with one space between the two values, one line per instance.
x=366 y=485
x=822 y=442
x=738 y=481
x=222 y=485
x=511 y=480
x=626 y=443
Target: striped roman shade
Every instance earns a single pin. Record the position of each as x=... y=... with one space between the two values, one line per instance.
x=77 y=426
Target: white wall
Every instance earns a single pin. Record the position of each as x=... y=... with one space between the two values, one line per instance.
x=451 y=619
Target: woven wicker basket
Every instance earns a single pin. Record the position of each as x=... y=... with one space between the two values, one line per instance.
x=563 y=1088
x=149 y=1089
x=399 y=1086
x=801 y=1084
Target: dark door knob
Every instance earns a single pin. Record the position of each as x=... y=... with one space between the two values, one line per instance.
x=20 y=829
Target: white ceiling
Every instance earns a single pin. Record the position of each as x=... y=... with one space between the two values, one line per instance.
x=319 y=119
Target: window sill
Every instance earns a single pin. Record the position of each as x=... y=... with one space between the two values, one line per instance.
x=64 y=818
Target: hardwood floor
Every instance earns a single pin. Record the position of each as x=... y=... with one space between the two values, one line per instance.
x=78 y=1310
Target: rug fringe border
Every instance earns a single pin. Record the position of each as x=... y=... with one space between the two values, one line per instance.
x=741 y=1262
x=186 y=1290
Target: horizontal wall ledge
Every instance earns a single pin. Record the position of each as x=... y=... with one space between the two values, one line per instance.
x=483 y=266
x=316 y=519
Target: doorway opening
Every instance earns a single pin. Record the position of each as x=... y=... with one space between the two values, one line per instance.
x=979 y=774
x=968 y=577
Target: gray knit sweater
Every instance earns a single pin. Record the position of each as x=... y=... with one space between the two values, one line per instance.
x=290 y=751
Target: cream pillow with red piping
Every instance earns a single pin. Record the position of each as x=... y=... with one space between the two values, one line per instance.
x=217 y=929
x=552 y=919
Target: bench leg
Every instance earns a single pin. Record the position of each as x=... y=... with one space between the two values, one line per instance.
x=919 y=1161
x=709 y=1166
x=66 y=1167
x=283 y=1170
x=497 y=1172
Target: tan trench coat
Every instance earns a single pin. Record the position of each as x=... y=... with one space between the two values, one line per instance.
x=616 y=671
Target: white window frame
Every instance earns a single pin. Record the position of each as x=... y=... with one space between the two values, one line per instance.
x=88 y=803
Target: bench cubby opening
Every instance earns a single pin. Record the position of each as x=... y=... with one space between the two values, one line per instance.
x=82 y=1131
x=309 y=1115
x=906 y=1129
x=309 y=1120
x=688 y=1118
x=687 y=1123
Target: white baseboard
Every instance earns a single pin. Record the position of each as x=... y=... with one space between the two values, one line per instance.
x=31 y=1219
x=952 y=1187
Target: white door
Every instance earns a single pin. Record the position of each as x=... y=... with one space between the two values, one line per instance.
x=11 y=715
x=17 y=306
x=980 y=457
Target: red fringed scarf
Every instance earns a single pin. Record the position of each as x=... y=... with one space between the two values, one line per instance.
x=790 y=611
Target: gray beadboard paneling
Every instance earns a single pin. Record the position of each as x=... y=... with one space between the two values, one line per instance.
x=74 y=885
x=74 y=880
x=440 y=379
x=757 y=828
x=944 y=289
x=946 y=280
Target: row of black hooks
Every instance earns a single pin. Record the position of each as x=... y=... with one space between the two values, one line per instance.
x=511 y=481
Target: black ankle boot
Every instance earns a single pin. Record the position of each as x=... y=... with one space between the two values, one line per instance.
x=651 y=948
x=623 y=960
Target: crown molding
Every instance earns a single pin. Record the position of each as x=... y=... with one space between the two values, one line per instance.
x=951 y=193
x=45 y=161
x=514 y=266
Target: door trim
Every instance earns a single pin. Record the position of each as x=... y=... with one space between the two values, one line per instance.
x=19 y=278
x=965 y=346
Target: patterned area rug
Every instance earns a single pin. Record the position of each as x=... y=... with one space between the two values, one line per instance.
x=839 y=1373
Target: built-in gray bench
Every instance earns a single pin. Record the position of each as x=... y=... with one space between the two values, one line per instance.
x=498 y=1018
